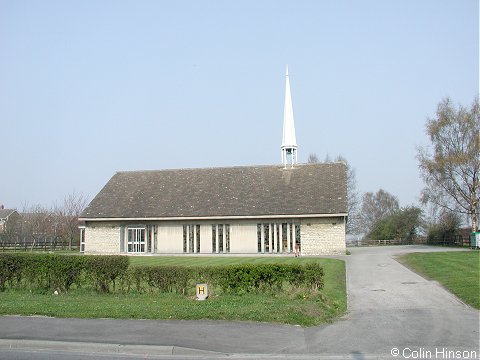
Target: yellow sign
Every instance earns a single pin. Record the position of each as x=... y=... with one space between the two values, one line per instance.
x=201 y=291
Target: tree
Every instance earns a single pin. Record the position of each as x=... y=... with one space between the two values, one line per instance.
x=376 y=207
x=352 y=193
x=67 y=216
x=451 y=170
x=402 y=224
x=312 y=159
x=444 y=227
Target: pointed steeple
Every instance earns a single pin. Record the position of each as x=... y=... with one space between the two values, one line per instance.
x=289 y=142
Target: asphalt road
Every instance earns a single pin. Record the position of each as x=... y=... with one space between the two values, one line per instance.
x=391 y=311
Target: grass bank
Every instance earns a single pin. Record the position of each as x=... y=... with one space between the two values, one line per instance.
x=290 y=307
x=459 y=272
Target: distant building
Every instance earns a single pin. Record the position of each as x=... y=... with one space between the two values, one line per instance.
x=8 y=218
x=277 y=209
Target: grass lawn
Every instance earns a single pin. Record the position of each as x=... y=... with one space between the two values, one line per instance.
x=299 y=308
x=457 y=271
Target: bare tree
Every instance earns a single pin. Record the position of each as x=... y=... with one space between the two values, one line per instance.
x=376 y=207
x=451 y=173
x=67 y=216
x=353 y=224
x=312 y=158
x=37 y=223
x=352 y=193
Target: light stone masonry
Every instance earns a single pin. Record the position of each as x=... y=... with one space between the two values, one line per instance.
x=102 y=239
x=323 y=236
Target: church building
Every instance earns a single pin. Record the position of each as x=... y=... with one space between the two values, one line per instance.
x=269 y=209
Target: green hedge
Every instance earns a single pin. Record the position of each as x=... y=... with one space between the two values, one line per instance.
x=238 y=279
x=60 y=272
x=51 y=272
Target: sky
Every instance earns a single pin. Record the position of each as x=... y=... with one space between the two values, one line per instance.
x=89 y=88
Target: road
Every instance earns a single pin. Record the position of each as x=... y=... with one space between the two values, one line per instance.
x=390 y=309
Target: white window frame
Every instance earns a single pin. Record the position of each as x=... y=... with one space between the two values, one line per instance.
x=136 y=240
x=82 y=238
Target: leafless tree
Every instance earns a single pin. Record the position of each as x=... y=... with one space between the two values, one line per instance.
x=376 y=207
x=352 y=193
x=67 y=216
x=451 y=170
x=37 y=222
x=312 y=158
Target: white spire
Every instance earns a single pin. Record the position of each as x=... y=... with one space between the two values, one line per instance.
x=289 y=142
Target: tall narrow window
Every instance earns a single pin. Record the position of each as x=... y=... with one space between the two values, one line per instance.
x=214 y=238
x=266 y=240
x=259 y=238
x=82 y=239
x=149 y=238
x=227 y=237
x=298 y=241
x=278 y=238
x=191 y=239
x=136 y=240
x=291 y=237
x=220 y=238
x=273 y=237
x=284 y=237
x=197 y=231
x=184 y=238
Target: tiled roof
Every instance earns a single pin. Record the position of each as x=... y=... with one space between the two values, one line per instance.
x=5 y=213
x=233 y=191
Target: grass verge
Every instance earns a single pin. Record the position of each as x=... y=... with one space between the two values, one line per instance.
x=299 y=308
x=457 y=271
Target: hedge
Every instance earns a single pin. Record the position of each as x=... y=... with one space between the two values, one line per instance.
x=238 y=279
x=102 y=273
x=60 y=272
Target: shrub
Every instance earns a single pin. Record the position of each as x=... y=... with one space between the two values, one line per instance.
x=60 y=272
x=44 y=271
x=104 y=270
x=11 y=266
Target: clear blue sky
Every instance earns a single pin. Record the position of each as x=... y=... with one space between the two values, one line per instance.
x=88 y=88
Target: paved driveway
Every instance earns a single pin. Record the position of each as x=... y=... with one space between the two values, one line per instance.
x=393 y=307
x=389 y=307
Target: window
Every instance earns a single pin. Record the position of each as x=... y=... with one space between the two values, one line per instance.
x=184 y=238
x=191 y=239
x=150 y=239
x=297 y=237
x=259 y=238
x=197 y=228
x=291 y=237
x=220 y=238
x=227 y=237
x=214 y=238
x=273 y=237
x=266 y=240
x=82 y=239
x=284 y=237
x=136 y=240
x=278 y=238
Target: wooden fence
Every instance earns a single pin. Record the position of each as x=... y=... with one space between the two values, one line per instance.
x=36 y=243
x=458 y=240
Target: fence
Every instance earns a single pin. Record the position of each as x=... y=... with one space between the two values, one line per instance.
x=456 y=240
x=452 y=240
x=35 y=243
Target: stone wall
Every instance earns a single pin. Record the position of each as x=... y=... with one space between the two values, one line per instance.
x=323 y=236
x=102 y=238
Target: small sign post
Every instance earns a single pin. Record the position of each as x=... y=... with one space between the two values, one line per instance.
x=201 y=292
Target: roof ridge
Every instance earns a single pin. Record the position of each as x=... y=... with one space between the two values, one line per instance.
x=281 y=166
